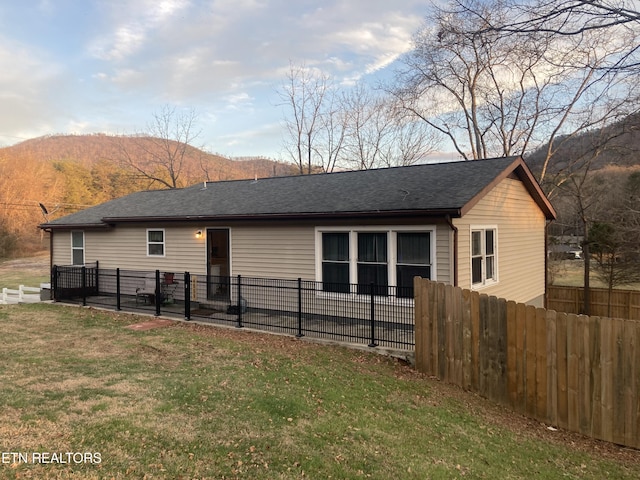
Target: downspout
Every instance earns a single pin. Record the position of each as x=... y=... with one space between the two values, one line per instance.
x=50 y=257
x=50 y=232
x=455 y=249
x=546 y=263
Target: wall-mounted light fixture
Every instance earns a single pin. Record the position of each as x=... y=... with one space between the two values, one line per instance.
x=199 y=234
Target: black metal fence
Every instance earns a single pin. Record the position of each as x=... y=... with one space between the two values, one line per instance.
x=295 y=307
x=73 y=281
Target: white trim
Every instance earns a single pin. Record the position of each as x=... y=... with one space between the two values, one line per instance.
x=164 y=242
x=391 y=231
x=485 y=282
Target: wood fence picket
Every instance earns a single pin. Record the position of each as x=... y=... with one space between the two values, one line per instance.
x=571 y=371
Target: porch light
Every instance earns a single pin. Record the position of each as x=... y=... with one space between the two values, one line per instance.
x=199 y=234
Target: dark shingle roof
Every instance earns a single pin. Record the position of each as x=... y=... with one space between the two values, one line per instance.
x=439 y=188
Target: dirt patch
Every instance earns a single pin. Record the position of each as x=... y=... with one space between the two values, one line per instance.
x=155 y=323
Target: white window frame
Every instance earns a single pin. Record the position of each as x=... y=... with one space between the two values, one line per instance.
x=74 y=248
x=163 y=243
x=484 y=282
x=392 y=249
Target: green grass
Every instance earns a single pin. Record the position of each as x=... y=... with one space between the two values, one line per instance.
x=200 y=402
x=14 y=280
x=30 y=272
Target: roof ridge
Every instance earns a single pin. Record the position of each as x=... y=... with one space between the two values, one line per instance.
x=362 y=171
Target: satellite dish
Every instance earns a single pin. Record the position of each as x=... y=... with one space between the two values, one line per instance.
x=44 y=209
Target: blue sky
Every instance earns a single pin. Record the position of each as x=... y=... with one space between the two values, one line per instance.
x=88 y=66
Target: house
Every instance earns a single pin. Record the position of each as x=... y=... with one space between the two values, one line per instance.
x=476 y=224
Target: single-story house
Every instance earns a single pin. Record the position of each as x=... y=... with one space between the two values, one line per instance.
x=476 y=224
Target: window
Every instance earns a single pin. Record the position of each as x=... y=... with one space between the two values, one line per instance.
x=373 y=259
x=335 y=262
x=372 y=264
x=77 y=248
x=155 y=243
x=483 y=256
x=413 y=260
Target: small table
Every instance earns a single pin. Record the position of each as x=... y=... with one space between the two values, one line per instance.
x=168 y=291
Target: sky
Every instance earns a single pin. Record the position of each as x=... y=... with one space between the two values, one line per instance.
x=89 y=66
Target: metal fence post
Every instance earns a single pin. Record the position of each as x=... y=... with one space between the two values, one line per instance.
x=97 y=278
x=239 y=302
x=118 y=289
x=373 y=319
x=187 y=295
x=299 y=308
x=158 y=293
x=83 y=283
x=54 y=283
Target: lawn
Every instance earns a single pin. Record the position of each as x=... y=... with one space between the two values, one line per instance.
x=24 y=271
x=570 y=273
x=84 y=397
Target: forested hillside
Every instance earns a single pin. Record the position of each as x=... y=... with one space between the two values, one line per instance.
x=618 y=144
x=65 y=173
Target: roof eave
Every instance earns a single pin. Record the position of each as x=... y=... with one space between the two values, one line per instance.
x=453 y=212
x=73 y=226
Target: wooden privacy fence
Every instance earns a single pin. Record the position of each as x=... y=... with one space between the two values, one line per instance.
x=624 y=303
x=572 y=371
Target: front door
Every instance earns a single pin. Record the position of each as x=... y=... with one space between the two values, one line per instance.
x=218 y=266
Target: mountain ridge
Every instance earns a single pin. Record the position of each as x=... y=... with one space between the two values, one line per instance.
x=64 y=173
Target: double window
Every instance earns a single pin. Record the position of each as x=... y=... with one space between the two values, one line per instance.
x=155 y=243
x=374 y=261
x=483 y=256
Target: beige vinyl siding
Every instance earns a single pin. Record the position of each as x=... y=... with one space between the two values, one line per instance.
x=275 y=252
x=444 y=242
x=281 y=251
x=61 y=248
x=520 y=242
x=126 y=248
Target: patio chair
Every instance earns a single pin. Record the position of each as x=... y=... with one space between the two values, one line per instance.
x=147 y=292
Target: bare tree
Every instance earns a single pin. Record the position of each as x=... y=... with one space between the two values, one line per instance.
x=380 y=134
x=497 y=94
x=567 y=18
x=330 y=144
x=353 y=128
x=305 y=94
x=615 y=236
x=160 y=153
x=369 y=128
x=584 y=193
x=616 y=251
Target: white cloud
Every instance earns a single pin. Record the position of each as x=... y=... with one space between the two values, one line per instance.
x=131 y=25
x=237 y=40
x=252 y=141
x=120 y=60
x=26 y=79
x=237 y=101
